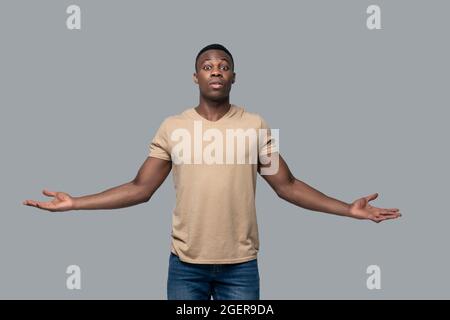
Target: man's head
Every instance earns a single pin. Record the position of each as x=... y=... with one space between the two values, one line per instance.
x=214 y=71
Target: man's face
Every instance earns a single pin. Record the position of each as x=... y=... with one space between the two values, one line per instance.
x=214 y=74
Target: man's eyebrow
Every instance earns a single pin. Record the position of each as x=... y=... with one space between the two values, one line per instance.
x=216 y=59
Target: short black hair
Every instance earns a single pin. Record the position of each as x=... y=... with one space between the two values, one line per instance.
x=214 y=46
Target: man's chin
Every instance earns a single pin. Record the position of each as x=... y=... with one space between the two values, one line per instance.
x=216 y=96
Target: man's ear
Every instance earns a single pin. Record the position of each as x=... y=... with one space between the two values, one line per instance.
x=194 y=77
x=234 y=78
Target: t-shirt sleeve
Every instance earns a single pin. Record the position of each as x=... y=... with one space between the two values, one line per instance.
x=159 y=146
x=268 y=142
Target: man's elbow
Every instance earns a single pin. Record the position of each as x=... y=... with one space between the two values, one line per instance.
x=280 y=193
x=147 y=198
x=283 y=191
x=142 y=192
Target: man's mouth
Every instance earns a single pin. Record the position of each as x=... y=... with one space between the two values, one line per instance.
x=216 y=85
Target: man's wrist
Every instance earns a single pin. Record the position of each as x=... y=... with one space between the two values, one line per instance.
x=349 y=210
x=76 y=203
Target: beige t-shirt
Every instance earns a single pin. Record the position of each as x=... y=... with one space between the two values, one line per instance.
x=214 y=220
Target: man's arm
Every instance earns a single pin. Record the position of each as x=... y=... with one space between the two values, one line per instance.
x=301 y=194
x=150 y=176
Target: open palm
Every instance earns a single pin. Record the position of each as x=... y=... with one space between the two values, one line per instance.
x=61 y=202
x=361 y=209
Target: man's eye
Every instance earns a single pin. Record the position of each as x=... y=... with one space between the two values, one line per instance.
x=206 y=67
x=225 y=68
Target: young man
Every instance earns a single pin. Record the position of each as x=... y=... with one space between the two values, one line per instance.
x=214 y=229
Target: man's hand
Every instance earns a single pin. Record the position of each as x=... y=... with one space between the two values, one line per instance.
x=361 y=209
x=61 y=202
x=303 y=195
x=150 y=176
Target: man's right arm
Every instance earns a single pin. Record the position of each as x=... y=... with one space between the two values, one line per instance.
x=150 y=176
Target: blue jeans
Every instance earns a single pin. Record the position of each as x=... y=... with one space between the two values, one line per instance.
x=190 y=281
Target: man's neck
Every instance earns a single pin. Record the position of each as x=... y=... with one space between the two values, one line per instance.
x=213 y=110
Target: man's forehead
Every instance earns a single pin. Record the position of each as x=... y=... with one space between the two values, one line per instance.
x=214 y=55
x=215 y=59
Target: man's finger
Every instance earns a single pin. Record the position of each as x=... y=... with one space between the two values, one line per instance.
x=37 y=204
x=387 y=212
x=390 y=216
x=392 y=210
x=49 y=193
x=29 y=203
x=371 y=197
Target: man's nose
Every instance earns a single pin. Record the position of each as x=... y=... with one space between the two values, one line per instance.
x=216 y=72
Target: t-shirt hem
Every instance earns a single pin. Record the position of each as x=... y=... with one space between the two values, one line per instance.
x=159 y=156
x=221 y=261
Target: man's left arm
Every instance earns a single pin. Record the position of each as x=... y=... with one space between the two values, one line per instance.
x=301 y=194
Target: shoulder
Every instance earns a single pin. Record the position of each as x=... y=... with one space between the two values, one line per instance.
x=176 y=119
x=253 y=117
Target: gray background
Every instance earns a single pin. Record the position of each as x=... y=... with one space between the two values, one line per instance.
x=359 y=112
